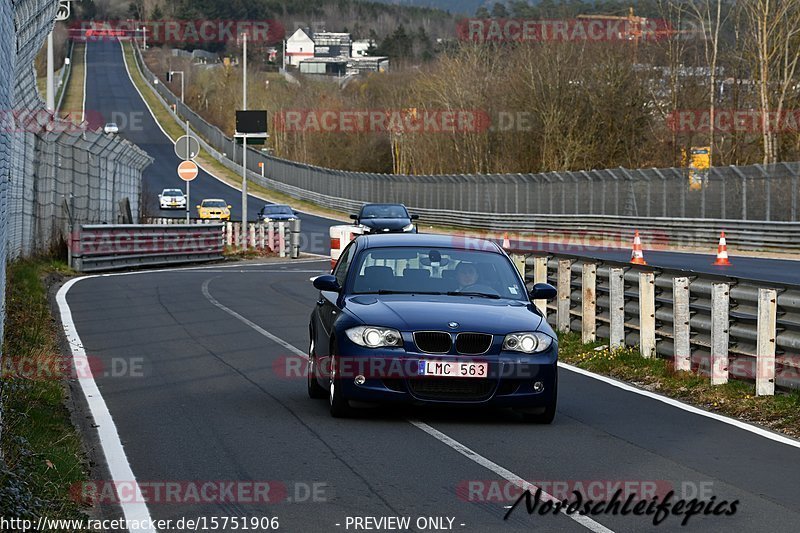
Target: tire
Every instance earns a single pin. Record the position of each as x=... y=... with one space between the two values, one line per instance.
x=340 y=407
x=548 y=414
x=315 y=390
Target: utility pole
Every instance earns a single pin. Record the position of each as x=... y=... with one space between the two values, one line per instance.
x=172 y=73
x=51 y=97
x=244 y=144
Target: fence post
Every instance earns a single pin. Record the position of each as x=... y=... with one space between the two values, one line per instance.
x=589 y=300
x=282 y=238
x=261 y=243
x=252 y=232
x=540 y=276
x=720 y=299
x=295 y=243
x=647 y=314
x=519 y=262
x=765 y=346
x=229 y=233
x=681 y=324
x=617 y=308
x=271 y=235
x=564 y=289
x=237 y=234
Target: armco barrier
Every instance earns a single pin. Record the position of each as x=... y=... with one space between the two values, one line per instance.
x=110 y=247
x=702 y=324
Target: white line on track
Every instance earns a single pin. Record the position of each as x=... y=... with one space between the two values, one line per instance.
x=118 y=466
x=767 y=434
x=435 y=433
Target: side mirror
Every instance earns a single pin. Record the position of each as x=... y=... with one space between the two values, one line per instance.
x=353 y=217
x=198 y=207
x=414 y=217
x=543 y=291
x=327 y=282
x=229 y=207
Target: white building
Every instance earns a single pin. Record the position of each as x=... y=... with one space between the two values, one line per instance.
x=360 y=47
x=299 y=47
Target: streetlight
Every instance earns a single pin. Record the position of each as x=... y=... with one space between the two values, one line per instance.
x=244 y=142
x=169 y=78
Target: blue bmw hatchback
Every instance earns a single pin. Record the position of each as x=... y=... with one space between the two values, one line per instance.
x=431 y=319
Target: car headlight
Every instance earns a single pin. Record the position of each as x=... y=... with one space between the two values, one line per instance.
x=410 y=227
x=528 y=342
x=374 y=337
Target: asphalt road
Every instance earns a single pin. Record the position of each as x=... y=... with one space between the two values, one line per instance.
x=111 y=94
x=210 y=399
x=111 y=97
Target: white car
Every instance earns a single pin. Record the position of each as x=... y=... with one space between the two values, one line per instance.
x=111 y=127
x=172 y=199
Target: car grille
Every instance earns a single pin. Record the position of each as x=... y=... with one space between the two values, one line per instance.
x=463 y=389
x=473 y=343
x=433 y=341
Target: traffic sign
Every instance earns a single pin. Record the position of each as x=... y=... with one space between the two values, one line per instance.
x=187 y=147
x=187 y=170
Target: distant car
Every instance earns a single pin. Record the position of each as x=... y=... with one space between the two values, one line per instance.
x=172 y=199
x=214 y=208
x=111 y=127
x=385 y=218
x=277 y=212
x=431 y=320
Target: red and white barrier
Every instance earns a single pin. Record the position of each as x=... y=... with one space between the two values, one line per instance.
x=340 y=238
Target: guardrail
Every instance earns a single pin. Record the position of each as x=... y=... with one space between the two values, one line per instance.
x=718 y=326
x=101 y=247
x=282 y=238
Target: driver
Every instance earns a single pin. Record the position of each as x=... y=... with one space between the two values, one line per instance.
x=466 y=275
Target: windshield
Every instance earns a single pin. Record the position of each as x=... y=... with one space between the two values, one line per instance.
x=383 y=211
x=278 y=210
x=173 y=192
x=438 y=271
x=214 y=203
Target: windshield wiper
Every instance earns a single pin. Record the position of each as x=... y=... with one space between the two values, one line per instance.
x=389 y=291
x=479 y=294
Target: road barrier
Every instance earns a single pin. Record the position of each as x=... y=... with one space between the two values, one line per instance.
x=721 y=327
x=99 y=247
x=280 y=237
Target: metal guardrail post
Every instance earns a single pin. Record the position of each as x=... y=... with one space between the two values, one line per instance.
x=563 y=300
x=680 y=323
x=282 y=239
x=647 y=314
x=295 y=251
x=720 y=302
x=765 y=344
x=589 y=300
x=617 y=308
x=540 y=276
x=519 y=262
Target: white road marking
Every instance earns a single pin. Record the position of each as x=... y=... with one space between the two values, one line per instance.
x=761 y=432
x=117 y=461
x=449 y=441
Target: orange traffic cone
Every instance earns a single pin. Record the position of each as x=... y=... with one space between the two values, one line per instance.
x=637 y=257
x=506 y=242
x=722 y=252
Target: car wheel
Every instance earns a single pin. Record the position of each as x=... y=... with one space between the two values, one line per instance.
x=548 y=413
x=340 y=407
x=315 y=390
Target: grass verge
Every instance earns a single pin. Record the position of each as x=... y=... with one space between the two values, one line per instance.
x=72 y=106
x=42 y=451
x=735 y=399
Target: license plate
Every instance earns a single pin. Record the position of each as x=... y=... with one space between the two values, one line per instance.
x=453 y=369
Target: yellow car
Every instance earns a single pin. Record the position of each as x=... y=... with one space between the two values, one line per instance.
x=214 y=208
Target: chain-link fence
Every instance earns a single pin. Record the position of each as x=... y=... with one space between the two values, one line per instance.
x=753 y=192
x=51 y=172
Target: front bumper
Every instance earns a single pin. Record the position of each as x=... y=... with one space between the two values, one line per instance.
x=391 y=376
